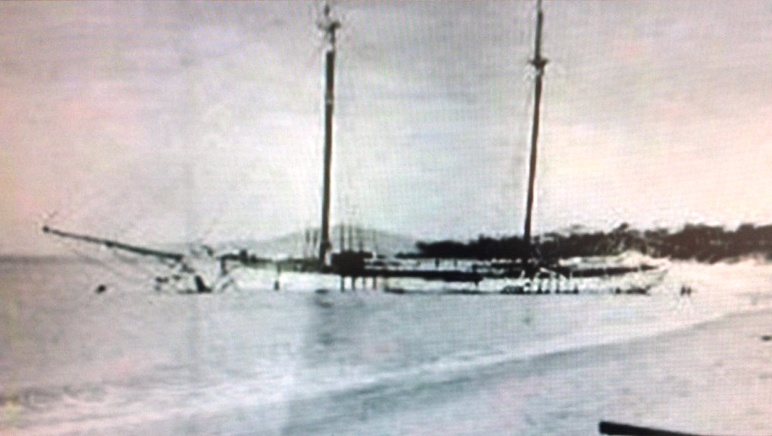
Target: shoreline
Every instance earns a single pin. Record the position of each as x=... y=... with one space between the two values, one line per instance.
x=711 y=377
x=708 y=378
x=718 y=373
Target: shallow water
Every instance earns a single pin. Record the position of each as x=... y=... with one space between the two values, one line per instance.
x=251 y=360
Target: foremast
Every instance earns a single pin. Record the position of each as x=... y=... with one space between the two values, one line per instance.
x=329 y=26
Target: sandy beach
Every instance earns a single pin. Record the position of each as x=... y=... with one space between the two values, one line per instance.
x=293 y=363
x=714 y=378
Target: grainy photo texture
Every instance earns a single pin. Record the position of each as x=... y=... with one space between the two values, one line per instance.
x=386 y=217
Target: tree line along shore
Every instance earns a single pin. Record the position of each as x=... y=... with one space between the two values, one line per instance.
x=698 y=242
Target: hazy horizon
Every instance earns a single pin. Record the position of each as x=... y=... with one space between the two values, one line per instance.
x=166 y=122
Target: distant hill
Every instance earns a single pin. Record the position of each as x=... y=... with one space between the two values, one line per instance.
x=296 y=245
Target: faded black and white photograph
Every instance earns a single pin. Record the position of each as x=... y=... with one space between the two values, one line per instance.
x=382 y=217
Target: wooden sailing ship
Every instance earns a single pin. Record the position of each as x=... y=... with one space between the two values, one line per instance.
x=364 y=264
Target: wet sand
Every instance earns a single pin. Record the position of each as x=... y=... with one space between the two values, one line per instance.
x=713 y=378
x=369 y=363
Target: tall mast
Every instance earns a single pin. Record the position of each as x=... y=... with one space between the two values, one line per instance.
x=538 y=63
x=328 y=25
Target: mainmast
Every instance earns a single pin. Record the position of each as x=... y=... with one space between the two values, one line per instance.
x=538 y=63
x=329 y=26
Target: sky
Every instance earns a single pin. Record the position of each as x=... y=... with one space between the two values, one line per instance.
x=159 y=122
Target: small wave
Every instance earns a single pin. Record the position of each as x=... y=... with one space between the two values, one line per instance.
x=87 y=394
x=32 y=398
x=47 y=398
